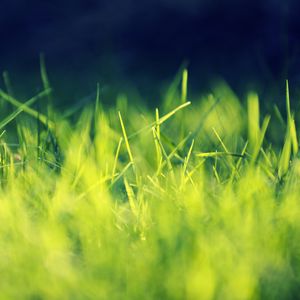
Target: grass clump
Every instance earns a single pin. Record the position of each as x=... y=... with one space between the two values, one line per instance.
x=189 y=203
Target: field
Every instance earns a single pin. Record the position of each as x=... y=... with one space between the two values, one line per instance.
x=193 y=200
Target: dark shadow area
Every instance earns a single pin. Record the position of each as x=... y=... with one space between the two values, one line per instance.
x=124 y=43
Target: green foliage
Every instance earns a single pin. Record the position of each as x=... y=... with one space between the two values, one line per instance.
x=190 y=201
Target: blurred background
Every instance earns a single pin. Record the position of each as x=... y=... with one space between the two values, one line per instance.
x=140 y=45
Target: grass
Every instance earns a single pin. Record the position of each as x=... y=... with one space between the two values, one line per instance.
x=190 y=201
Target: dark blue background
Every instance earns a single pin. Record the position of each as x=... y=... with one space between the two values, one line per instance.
x=142 y=43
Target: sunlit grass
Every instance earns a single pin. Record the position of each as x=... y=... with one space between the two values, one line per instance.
x=189 y=201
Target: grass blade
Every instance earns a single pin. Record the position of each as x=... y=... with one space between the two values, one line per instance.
x=13 y=115
x=30 y=111
x=216 y=154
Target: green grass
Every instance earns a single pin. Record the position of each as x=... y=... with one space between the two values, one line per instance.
x=189 y=201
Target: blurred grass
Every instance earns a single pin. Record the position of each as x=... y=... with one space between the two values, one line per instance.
x=191 y=201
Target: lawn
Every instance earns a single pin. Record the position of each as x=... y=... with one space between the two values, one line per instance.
x=198 y=199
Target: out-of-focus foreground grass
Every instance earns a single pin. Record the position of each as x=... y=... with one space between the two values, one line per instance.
x=191 y=201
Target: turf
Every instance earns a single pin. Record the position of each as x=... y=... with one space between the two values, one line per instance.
x=189 y=201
